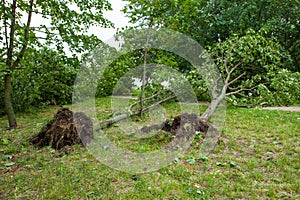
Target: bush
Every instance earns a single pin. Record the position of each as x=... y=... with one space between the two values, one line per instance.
x=45 y=78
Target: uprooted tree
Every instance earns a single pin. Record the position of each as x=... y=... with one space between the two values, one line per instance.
x=245 y=64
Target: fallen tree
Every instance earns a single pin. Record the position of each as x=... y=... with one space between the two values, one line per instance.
x=109 y=122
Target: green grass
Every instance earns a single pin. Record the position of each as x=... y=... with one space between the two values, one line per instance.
x=257 y=158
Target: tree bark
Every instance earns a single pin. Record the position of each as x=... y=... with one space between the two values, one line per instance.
x=111 y=121
x=8 y=103
x=10 y=64
x=7 y=78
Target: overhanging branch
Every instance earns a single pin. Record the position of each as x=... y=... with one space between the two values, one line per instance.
x=12 y=34
x=26 y=37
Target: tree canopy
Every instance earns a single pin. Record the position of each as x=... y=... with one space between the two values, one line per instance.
x=210 y=22
x=61 y=23
x=258 y=38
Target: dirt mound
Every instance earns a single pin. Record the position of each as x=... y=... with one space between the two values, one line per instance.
x=184 y=125
x=65 y=129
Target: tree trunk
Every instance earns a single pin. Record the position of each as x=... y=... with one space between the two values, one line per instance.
x=7 y=102
x=116 y=119
x=215 y=102
x=109 y=122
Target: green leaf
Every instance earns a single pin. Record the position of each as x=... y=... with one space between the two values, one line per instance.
x=9 y=164
x=232 y=164
x=191 y=160
x=75 y=179
x=5 y=141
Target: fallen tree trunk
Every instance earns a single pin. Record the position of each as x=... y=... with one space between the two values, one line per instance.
x=109 y=122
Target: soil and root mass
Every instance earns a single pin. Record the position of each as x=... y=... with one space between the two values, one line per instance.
x=184 y=125
x=68 y=128
x=65 y=129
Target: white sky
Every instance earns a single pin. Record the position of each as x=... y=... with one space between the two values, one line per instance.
x=116 y=16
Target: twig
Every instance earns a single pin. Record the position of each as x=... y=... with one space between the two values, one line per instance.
x=159 y=102
x=241 y=90
x=146 y=99
x=237 y=78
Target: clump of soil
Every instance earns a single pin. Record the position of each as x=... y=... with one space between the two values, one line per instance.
x=184 y=125
x=65 y=129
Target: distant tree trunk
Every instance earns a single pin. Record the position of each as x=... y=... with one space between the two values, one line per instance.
x=144 y=81
x=10 y=64
x=8 y=103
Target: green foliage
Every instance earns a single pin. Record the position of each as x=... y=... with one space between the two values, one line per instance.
x=197 y=82
x=264 y=35
x=263 y=61
x=46 y=78
x=284 y=90
x=209 y=22
x=64 y=24
x=112 y=74
x=117 y=78
x=259 y=56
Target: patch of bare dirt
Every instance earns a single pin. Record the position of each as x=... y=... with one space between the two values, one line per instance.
x=65 y=129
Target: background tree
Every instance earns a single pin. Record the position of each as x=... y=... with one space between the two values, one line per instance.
x=262 y=34
x=210 y=22
x=66 y=23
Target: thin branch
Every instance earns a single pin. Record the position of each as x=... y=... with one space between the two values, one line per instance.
x=237 y=78
x=3 y=54
x=43 y=38
x=227 y=58
x=231 y=71
x=146 y=99
x=226 y=64
x=19 y=58
x=144 y=71
x=45 y=32
x=5 y=25
x=12 y=34
x=231 y=88
x=159 y=102
x=236 y=66
x=108 y=122
x=241 y=90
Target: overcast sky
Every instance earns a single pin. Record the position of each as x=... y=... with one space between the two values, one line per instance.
x=116 y=16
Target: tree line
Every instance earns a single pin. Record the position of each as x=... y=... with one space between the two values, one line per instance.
x=256 y=41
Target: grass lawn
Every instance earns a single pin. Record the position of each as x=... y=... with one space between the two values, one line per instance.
x=257 y=158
